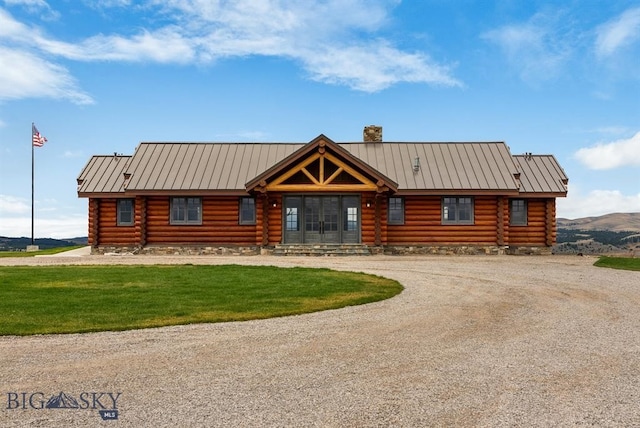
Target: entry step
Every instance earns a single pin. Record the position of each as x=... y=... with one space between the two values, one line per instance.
x=321 y=250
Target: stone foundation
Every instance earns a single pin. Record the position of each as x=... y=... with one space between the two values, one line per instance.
x=529 y=251
x=469 y=250
x=177 y=250
x=396 y=250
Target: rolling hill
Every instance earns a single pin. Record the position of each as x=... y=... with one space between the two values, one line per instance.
x=618 y=222
x=611 y=233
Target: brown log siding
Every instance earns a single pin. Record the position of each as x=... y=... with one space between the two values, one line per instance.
x=423 y=223
x=108 y=231
x=539 y=229
x=275 y=219
x=367 y=218
x=219 y=224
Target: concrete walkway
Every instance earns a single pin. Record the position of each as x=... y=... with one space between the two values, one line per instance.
x=78 y=252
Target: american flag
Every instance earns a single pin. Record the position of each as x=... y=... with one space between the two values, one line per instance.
x=37 y=139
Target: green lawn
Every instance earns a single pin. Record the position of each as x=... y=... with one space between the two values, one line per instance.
x=37 y=253
x=69 y=299
x=618 y=263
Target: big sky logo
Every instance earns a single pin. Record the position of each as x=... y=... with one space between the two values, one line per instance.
x=106 y=403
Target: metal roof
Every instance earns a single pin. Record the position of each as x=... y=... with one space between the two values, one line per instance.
x=541 y=174
x=443 y=166
x=103 y=174
x=202 y=166
x=477 y=167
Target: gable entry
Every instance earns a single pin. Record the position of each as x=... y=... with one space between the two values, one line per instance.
x=322 y=187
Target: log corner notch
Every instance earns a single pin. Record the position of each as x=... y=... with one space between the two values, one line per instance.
x=500 y=222
x=264 y=198
x=550 y=222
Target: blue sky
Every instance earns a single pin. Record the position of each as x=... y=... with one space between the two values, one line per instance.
x=98 y=77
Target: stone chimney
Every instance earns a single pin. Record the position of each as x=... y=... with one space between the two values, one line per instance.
x=372 y=134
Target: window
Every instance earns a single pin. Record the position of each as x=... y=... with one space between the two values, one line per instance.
x=247 y=211
x=457 y=210
x=186 y=211
x=396 y=211
x=518 y=215
x=291 y=219
x=125 y=212
x=351 y=219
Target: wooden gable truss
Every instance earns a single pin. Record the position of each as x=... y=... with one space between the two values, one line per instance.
x=321 y=166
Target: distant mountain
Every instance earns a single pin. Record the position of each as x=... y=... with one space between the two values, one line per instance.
x=618 y=222
x=9 y=244
x=610 y=233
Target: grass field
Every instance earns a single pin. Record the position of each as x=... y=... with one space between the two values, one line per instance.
x=37 y=253
x=70 y=299
x=618 y=263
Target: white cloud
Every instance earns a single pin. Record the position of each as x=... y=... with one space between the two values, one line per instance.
x=73 y=154
x=164 y=46
x=44 y=227
x=12 y=205
x=31 y=76
x=596 y=203
x=15 y=219
x=625 y=152
x=619 y=32
x=333 y=40
x=28 y=3
x=537 y=48
x=374 y=67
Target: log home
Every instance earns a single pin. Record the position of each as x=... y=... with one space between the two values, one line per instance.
x=361 y=197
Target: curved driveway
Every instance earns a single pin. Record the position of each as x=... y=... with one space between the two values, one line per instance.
x=471 y=341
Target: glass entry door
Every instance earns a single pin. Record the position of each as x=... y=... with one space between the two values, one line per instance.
x=321 y=219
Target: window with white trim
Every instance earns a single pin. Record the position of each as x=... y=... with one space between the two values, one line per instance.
x=247 y=211
x=125 y=212
x=457 y=210
x=395 y=211
x=186 y=210
x=518 y=214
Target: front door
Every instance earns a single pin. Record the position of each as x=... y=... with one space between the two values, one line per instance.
x=321 y=219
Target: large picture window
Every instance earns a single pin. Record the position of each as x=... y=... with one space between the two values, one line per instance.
x=247 y=211
x=396 y=211
x=457 y=210
x=125 y=212
x=186 y=210
x=518 y=215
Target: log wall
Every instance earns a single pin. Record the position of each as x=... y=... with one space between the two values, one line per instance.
x=423 y=223
x=541 y=224
x=108 y=231
x=275 y=219
x=367 y=217
x=219 y=224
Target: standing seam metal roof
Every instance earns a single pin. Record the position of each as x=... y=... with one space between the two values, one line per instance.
x=175 y=167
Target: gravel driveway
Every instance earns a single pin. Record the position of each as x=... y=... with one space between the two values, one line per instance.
x=471 y=341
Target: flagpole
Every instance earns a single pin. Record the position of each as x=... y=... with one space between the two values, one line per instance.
x=32 y=181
